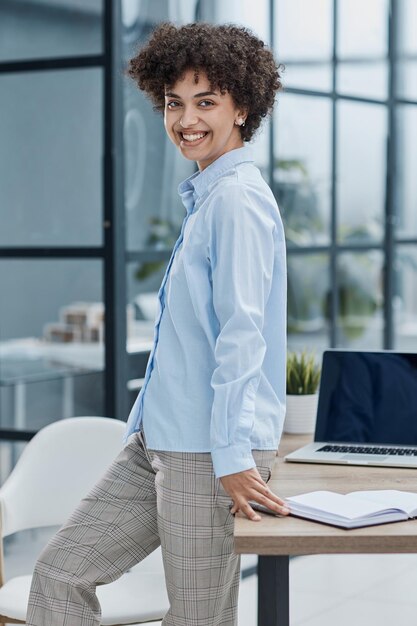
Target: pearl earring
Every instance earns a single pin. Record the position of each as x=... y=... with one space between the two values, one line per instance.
x=240 y=122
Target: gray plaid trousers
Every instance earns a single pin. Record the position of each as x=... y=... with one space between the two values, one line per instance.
x=145 y=499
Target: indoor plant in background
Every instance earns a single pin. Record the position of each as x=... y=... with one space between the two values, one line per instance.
x=303 y=377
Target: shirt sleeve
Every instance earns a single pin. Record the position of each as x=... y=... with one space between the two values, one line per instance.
x=241 y=250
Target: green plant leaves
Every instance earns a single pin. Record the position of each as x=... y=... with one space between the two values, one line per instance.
x=303 y=374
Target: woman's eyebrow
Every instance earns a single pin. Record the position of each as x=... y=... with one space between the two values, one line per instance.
x=170 y=94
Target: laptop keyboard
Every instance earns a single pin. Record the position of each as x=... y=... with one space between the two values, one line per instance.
x=366 y=450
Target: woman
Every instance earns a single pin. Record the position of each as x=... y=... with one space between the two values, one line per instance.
x=203 y=432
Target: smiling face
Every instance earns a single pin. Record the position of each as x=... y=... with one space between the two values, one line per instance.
x=203 y=123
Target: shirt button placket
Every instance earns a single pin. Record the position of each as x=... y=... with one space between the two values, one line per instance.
x=161 y=299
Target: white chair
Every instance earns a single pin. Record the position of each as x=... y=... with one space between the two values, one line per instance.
x=56 y=469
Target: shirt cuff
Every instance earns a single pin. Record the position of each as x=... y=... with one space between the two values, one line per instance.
x=232 y=459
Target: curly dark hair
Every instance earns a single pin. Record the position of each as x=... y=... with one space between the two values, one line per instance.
x=232 y=57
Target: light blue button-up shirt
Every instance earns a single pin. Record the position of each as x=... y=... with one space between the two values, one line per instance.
x=215 y=379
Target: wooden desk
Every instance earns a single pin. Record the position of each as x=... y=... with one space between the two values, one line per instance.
x=275 y=539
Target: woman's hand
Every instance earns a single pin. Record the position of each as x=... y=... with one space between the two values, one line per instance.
x=248 y=485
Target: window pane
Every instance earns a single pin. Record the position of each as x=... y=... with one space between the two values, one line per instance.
x=361 y=171
x=308 y=293
x=359 y=281
x=363 y=79
x=407 y=49
x=305 y=50
x=406 y=192
x=316 y=76
x=302 y=167
x=51 y=341
x=142 y=15
x=362 y=30
x=49 y=29
x=239 y=12
x=51 y=158
x=405 y=301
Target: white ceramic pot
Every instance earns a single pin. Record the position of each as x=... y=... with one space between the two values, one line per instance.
x=300 y=417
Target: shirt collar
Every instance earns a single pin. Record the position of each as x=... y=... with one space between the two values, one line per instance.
x=197 y=184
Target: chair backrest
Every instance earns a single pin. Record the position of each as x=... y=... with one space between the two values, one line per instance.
x=56 y=469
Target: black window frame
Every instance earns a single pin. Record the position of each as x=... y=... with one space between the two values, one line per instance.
x=390 y=241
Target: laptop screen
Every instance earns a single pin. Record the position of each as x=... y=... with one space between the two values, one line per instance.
x=368 y=397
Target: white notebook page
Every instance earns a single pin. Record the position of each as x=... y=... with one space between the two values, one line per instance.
x=348 y=507
x=404 y=500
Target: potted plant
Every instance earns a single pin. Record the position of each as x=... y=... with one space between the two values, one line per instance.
x=303 y=377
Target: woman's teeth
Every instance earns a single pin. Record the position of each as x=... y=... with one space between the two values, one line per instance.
x=194 y=136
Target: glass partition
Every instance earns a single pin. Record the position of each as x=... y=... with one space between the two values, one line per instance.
x=308 y=301
x=51 y=158
x=406 y=189
x=52 y=28
x=302 y=174
x=238 y=12
x=303 y=42
x=360 y=297
x=362 y=36
x=407 y=49
x=405 y=299
x=51 y=341
x=361 y=171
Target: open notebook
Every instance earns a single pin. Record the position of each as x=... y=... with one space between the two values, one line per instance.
x=355 y=509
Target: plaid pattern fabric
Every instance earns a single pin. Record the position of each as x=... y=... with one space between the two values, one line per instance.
x=146 y=498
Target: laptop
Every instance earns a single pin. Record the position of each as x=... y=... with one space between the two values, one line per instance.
x=367 y=410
